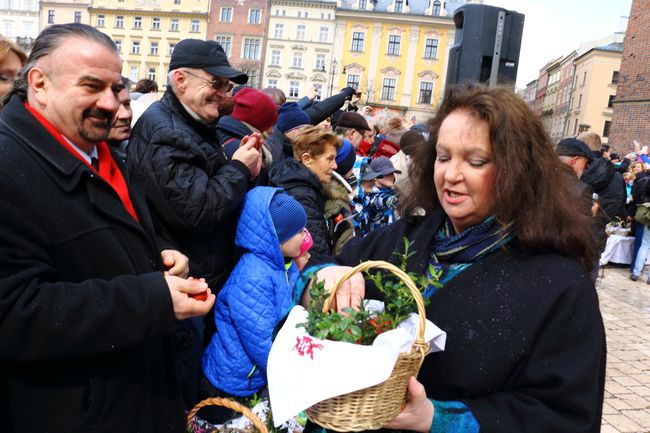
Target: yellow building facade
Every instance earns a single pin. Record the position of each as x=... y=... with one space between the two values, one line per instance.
x=398 y=61
x=594 y=89
x=63 y=12
x=146 y=31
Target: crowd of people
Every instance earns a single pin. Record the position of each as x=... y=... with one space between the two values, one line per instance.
x=147 y=259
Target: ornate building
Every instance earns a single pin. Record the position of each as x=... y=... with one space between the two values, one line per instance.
x=19 y=21
x=395 y=56
x=299 y=47
x=146 y=31
x=240 y=27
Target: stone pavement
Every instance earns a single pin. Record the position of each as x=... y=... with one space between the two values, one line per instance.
x=625 y=306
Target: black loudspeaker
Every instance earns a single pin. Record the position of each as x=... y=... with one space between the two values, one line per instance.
x=470 y=58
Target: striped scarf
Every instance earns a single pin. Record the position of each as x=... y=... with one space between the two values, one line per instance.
x=453 y=253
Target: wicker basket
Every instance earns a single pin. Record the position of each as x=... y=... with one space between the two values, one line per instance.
x=374 y=407
x=230 y=404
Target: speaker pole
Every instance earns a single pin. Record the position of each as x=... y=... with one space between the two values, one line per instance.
x=496 y=56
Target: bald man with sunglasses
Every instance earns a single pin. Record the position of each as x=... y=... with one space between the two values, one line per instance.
x=193 y=190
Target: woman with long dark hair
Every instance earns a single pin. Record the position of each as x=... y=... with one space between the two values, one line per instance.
x=525 y=340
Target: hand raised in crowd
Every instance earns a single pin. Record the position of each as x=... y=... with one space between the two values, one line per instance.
x=417 y=415
x=175 y=263
x=249 y=153
x=312 y=93
x=184 y=305
x=350 y=294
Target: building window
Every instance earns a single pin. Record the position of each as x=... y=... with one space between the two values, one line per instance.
x=273 y=83
x=610 y=102
x=299 y=14
x=579 y=101
x=388 y=89
x=353 y=81
x=153 y=49
x=306 y=14
x=118 y=45
x=100 y=20
x=300 y=32
x=324 y=34
x=254 y=16
x=297 y=60
x=77 y=17
x=436 y=8
x=615 y=77
x=251 y=49
x=294 y=88
x=177 y=2
x=275 y=57
x=320 y=62
x=170 y=50
x=393 y=45
x=584 y=78
x=174 y=24
x=135 y=48
x=319 y=90
x=119 y=22
x=252 y=78
x=431 y=49
x=426 y=91
x=226 y=15
x=225 y=42
x=357 y=41
x=277 y=32
x=137 y=22
x=195 y=26
x=133 y=74
x=50 y=16
x=155 y=23
x=608 y=124
x=151 y=74
x=399 y=5
x=363 y=4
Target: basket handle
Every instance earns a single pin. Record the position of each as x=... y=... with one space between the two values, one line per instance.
x=380 y=264
x=230 y=404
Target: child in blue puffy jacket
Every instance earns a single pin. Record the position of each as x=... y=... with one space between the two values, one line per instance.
x=258 y=293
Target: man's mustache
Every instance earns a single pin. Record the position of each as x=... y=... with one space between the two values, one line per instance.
x=99 y=114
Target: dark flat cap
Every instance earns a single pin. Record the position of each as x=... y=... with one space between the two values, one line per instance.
x=574 y=147
x=353 y=120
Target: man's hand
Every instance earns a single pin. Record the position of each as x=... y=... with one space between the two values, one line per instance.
x=249 y=153
x=175 y=263
x=417 y=415
x=350 y=294
x=184 y=305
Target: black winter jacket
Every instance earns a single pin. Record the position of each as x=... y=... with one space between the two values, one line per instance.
x=194 y=192
x=610 y=187
x=321 y=110
x=304 y=186
x=85 y=312
x=525 y=339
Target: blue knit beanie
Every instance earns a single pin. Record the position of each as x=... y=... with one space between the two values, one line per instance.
x=288 y=216
x=291 y=116
x=345 y=157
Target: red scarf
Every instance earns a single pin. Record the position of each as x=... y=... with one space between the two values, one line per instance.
x=108 y=169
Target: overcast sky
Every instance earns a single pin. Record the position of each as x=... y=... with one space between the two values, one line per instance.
x=556 y=27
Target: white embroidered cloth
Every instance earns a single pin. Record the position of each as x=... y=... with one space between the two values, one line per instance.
x=303 y=370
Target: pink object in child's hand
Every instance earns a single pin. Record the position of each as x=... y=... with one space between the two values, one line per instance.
x=307 y=242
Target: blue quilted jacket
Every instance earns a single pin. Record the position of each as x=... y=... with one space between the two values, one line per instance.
x=257 y=295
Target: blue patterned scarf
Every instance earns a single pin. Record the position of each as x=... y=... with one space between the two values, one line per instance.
x=453 y=253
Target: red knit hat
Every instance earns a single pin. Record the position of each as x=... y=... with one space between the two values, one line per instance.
x=255 y=108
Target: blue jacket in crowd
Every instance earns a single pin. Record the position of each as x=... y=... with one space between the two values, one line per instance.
x=257 y=295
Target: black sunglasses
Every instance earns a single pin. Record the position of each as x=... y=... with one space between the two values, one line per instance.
x=216 y=84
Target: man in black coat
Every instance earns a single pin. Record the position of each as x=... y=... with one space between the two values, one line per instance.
x=87 y=298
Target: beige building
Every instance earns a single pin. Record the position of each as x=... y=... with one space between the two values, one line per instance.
x=551 y=97
x=146 y=31
x=594 y=89
x=63 y=12
x=19 y=21
x=298 y=52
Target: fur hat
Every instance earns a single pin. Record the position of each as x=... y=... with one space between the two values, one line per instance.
x=255 y=108
x=291 y=116
x=288 y=216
